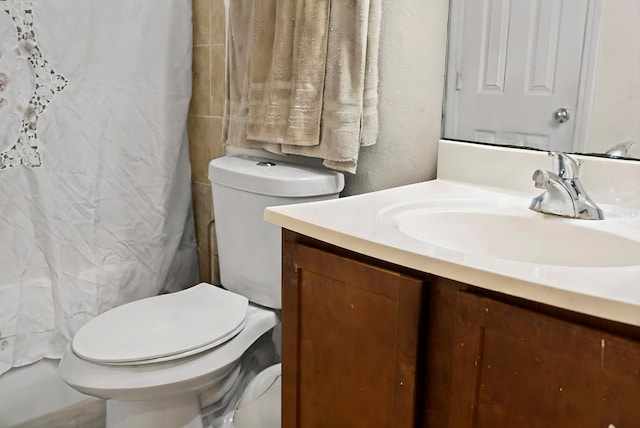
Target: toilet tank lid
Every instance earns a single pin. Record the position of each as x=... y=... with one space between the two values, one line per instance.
x=274 y=177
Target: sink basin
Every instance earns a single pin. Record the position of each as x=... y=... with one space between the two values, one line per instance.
x=514 y=234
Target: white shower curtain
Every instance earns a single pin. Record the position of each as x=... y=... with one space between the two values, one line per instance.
x=95 y=200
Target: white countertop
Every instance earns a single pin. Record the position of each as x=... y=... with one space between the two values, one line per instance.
x=357 y=223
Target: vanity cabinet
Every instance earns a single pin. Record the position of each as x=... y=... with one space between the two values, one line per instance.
x=371 y=344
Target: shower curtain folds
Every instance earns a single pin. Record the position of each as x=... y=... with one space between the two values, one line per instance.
x=95 y=200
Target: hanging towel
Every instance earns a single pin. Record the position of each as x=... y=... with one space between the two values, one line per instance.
x=239 y=33
x=350 y=108
x=286 y=76
x=303 y=80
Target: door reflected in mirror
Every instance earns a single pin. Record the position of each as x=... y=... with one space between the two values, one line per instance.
x=560 y=75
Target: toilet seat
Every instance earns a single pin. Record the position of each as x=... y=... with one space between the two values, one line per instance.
x=202 y=317
x=150 y=381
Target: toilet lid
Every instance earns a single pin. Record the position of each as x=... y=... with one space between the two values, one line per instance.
x=162 y=327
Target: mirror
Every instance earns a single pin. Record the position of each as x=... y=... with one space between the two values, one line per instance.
x=559 y=75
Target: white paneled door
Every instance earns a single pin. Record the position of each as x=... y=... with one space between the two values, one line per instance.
x=514 y=74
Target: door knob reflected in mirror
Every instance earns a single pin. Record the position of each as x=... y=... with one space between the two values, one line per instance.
x=561 y=115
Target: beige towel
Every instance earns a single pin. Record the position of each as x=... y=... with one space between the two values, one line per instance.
x=350 y=109
x=286 y=75
x=286 y=117
x=239 y=15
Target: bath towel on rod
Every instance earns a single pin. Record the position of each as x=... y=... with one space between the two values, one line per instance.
x=286 y=71
x=303 y=77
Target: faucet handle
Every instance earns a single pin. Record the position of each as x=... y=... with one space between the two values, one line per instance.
x=565 y=166
x=540 y=178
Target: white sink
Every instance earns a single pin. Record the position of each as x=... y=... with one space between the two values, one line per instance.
x=512 y=233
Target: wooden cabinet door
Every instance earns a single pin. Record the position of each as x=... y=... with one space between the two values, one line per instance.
x=517 y=368
x=350 y=342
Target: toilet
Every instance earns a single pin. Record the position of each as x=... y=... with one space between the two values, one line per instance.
x=154 y=359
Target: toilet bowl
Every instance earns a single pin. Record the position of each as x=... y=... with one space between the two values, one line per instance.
x=155 y=358
x=153 y=390
x=260 y=401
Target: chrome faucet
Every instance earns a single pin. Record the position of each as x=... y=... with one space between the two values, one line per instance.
x=564 y=194
x=620 y=150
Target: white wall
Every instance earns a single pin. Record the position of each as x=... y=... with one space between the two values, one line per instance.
x=412 y=70
x=616 y=112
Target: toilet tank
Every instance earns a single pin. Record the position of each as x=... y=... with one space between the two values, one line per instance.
x=249 y=249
